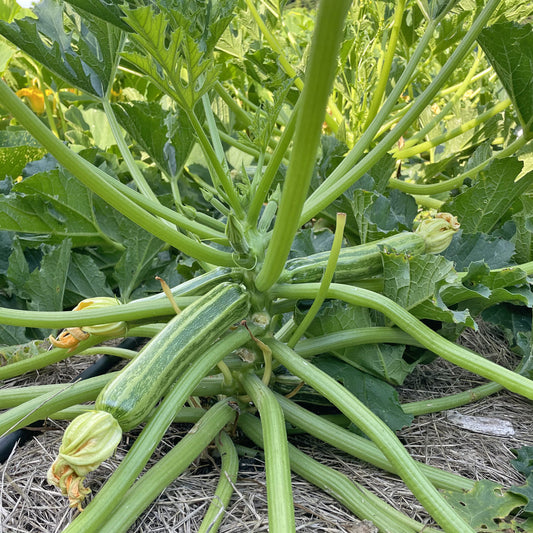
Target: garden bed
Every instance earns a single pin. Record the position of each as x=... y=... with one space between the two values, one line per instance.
x=29 y=503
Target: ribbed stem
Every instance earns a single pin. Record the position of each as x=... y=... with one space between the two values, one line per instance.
x=431 y=340
x=334 y=187
x=359 y=447
x=98 y=182
x=353 y=496
x=378 y=432
x=319 y=77
x=277 y=464
x=229 y=469
x=108 y=497
x=167 y=469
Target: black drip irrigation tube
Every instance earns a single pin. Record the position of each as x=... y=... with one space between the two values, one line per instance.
x=101 y=366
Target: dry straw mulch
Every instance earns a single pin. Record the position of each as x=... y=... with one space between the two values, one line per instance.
x=30 y=504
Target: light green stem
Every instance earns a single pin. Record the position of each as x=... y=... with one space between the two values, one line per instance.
x=383 y=75
x=290 y=71
x=263 y=187
x=333 y=187
x=448 y=185
x=327 y=278
x=439 y=117
x=277 y=464
x=430 y=339
x=173 y=464
x=45 y=359
x=218 y=174
x=360 y=447
x=405 y=153
x=135 y=173
x=353 y=496
x=110 y=350
x=319 y=78
x=374 y=128
x=41 y=406
x=98 y=182
x=378 y=432
x=228 y=476
x=139 y=310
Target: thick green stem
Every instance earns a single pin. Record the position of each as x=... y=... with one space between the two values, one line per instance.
x=431 y=340
x=139 y=310
x=98 y=182
x=361 y=448
x=44 y=359
x=353 y=337
x=40 y=407
x=289 y=70
x=444 y=403
x=353 y=496
x=218 y=174
x=319 y=78
x=277 y=464
x=383 y=74
x=108 y=497
x=14 y=396
x=229 y=469
x=167 y=469
x=378 y=432
x=337 y=183
x=439 y=117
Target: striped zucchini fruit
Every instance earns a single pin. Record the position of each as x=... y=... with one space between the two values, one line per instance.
x=140 y=385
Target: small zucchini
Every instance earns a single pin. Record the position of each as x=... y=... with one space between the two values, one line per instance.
x=140 y=385
x=354 y=263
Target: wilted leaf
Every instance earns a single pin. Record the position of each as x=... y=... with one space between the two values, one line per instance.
x=487 y=507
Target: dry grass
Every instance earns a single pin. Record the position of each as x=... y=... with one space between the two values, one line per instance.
x=30 y=504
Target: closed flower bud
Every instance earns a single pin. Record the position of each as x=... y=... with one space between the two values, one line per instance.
x=438 y=232
x=90 y=439
x=99 y=302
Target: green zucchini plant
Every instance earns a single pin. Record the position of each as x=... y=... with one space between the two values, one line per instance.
x=333 y=195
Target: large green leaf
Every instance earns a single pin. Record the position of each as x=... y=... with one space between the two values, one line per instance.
x=380 y=397
x=411 y=280
x=51 y=206
x=523 y=238
x=83 y=56
x=482 y=288
x=163 y=53
x=509 y=48
x=467 y=248
x=414 y=282
x=108 y=11
x=84 y=280
x=384 y=361
x=141 y=250
x=481 y=206
x=45 y=286
x=167 y=137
